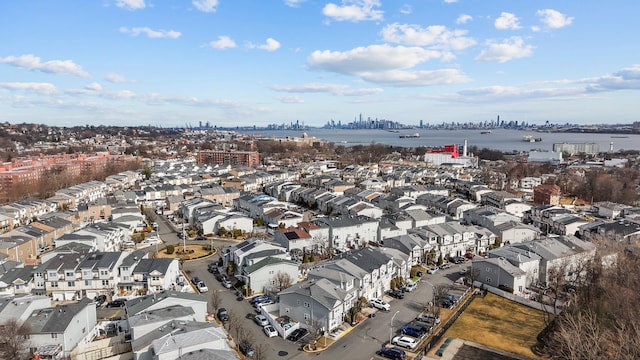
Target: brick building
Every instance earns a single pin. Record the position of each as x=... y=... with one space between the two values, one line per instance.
x=546 y=194
x=234 y=158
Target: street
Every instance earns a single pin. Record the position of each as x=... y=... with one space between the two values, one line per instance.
x=361 y=343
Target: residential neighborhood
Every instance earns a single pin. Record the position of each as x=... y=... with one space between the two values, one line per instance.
x=312 y=249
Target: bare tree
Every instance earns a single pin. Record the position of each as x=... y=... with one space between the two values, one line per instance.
x=13 y=335
x=260 y=352
x=215 y=300
x=282 y=280
x=472 y=275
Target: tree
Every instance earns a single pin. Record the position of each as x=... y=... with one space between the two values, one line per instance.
x=472 y=275
x=170 y=249
x=282 y=280
x=215 y=300
x=146 y=172
x=13 y=336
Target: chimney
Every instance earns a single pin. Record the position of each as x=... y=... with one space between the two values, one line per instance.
x=464 y=149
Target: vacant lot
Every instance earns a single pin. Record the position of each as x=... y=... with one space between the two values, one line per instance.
x=499 y=323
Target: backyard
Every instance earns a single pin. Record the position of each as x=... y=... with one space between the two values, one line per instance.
x=500 y=323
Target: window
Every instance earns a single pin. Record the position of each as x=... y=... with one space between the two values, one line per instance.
x=87 y=283
x=307 y=316
x=104 y=272
x=155 y=278
x=306 y=304
x=298 y=301
x=105 y=282
x=54 y=336
x=54 y=284
x=71 y=283
x=53 y=274
x=69 y=274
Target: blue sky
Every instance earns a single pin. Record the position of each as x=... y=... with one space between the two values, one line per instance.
x=245 y=62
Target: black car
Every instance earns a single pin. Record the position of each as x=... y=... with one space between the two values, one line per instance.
x=392 y=353
x=246 y=348
x=116 y=303
x=221 y=277
x=195 y=280
x=223 y=315
x=396 y=294
x=446 y=303
x=100 y=299
x=297 y=334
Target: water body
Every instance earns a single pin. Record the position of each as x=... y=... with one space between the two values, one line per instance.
x=498 y=139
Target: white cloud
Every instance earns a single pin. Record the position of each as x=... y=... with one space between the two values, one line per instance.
x=335 y=89
x=116 y=78
x=38 y=88
x=507 y=21
x=152 y=34
x=293 y=3
x=370 y=58
x=437 y=36
x=553 y=19
x=406 y=9
x=417 y=77
x=509 y=49
x=31 y=62
x=269 y=45
x=450 y=1
x=535 y=28
x=290 y=99
x=463 y=19
x=223 y=42
x=386 y=64
x=205 y=5
x=354 y=10
x=94 y=86
x=131 y=4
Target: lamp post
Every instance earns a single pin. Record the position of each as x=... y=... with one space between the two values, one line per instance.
x=391 y=326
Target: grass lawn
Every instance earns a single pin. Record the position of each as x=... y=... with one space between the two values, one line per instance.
x=499 y=323
x=198 y=252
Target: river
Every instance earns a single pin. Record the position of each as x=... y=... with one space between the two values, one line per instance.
x=499 y=139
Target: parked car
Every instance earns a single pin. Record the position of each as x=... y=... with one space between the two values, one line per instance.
x=444 y=266
x=425 y=329
x=297 y=334
x=246 y=348
x=405 y=341
x=433 y=270
x=259 y=298
x=446 y=303
x=379 y=304
x=223 y=315
x=410 y=286
x=261 y=320
x=396 y=294
x=428 y=318
x=261 y=304
x=227 y=283
x=412 y=330
x=100 y=299
x=202 y=287
x=392 y=353
x=221 y=277
x=117 y=303
x=454 y=299
x=270 y=331
x=195 y=280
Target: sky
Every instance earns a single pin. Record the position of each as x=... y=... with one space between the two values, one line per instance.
x=177 y=63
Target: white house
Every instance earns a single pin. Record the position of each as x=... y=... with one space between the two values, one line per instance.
x=61 y=328
x=270 y=274
x=165 y=299
x=156 y=275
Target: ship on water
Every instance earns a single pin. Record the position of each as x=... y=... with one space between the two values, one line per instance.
x=485 y=132
x=410 y=136
x=530 y=138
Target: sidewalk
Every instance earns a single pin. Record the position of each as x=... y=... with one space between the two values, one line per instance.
x=340 y=332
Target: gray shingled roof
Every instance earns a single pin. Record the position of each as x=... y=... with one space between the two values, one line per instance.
x=55 y=320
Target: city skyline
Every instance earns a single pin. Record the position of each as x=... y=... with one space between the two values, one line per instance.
x=240 y=63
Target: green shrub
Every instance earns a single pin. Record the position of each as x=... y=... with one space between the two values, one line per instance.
x=171 y=249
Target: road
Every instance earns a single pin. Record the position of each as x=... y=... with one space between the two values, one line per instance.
x=361 y=343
